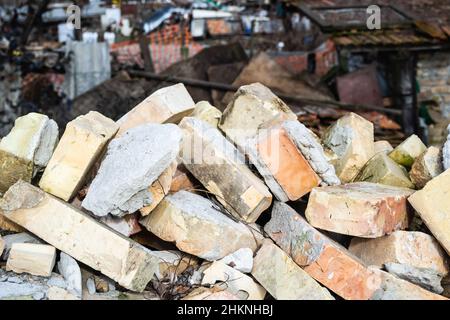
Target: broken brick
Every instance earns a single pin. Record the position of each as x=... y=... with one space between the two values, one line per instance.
x=426 y=166
x=221 y=168
x=80 y=147
x=352 y=139
x=197 y=227
x=407 y=151
x=361 y=209
x=433 y=205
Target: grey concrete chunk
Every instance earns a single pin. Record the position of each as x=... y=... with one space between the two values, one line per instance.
x=426 y=278
x=132 y=163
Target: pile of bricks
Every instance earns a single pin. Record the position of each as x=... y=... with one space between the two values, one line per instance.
x=177 y=200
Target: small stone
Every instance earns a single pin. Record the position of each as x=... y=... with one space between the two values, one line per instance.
x=36 y=259
x=427 y=166
x=433 y=205
x=166 y=105
x=222 y=170
x=181 y=180
x=132 y=163
x=241 y=260
x=352 y=139
x=55 y=293
x=283 y=278
x=90 y=285
x=382 y=169
x=428 y=279
x=80 y=147
x=382 y=146
x=197 y=226
x=33 y=138
x=233 y=280
x=214 y=293
x=407 y=151
x=252 y=106
x=361 y=209
x=69 y=269
x=206 y=112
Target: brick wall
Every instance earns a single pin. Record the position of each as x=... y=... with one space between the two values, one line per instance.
x=433 y=75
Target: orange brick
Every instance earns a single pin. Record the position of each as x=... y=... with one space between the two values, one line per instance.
x=333 y=265
x=288 y=166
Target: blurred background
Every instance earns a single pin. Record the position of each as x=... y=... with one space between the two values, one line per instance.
x=319 y=56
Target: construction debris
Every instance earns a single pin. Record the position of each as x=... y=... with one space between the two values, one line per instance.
x=188 y=219
x=32 y=138
x=359 y=209
x=174 y=201
x=408 y=151
x=352 y=139
x=79 y=235
x=81 y=145
x=132 y=163
x=221 y=168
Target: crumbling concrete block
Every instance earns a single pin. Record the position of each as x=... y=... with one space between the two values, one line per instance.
x=331 y=264
x=428 y=279
x=433 y=205
x=241 y=260
x=208 y=113
x=80 y=147
x=10 y=239
x=283 y=278
x=79 y=235
x=382 y=146
x=361 y=209
x=412 y=248
x=252 y=106
x=13 y=169
x=382 y=169
x=198 y=227
x=407 y=151
x=35 y=259
x=291 y=161
x=33 y=138
x=233 y=280
x=446 y=151
x=221 y=168
x=132 y=163
x=352 y=139
x=426 y=166
x=166 y=105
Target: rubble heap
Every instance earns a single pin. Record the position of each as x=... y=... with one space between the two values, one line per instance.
x=177 y=200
